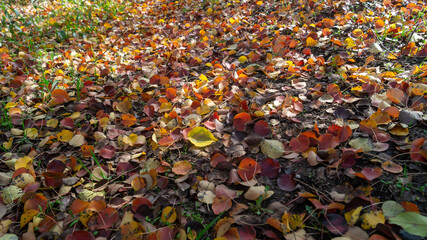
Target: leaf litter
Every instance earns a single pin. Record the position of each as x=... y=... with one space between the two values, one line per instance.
x=220 y=119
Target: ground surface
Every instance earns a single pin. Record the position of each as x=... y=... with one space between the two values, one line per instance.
x=213 y=119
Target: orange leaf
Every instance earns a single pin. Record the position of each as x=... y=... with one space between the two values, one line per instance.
x=128 y=119
x=381 y=117
x=379 y=24
x=182 y=167
x=410 y=207
x=138 y=183
x=276 y=224
x=327 y=22
x=60 y=96
x=87 y=150
x=171 y=93
x=395 y=95
x=221 y=204
x=78 y=206
x=166 y=141
x=248 y=168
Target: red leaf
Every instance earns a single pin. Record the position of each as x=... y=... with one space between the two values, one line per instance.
x=149 y=110
x=286 y=182
x=335 y=223
x=67 y=123
x=371 y=173
x=107 y=218
x=165 y=234
x=300 y=143
x=107 y=152
x=270 y=168
x=240 y=121
x=217 y=158
x=80 y=235
x=139 y=202
x=261 y=128
x=248 y=168
x=56 y=166
x=327 y=141
x=38 y=201
x=246 y=232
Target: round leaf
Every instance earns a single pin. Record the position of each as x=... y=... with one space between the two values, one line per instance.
x=182 y=167
x=272 y=148
x=168 y=214
x=240 y=120
x=248 y=168
x=286 y=182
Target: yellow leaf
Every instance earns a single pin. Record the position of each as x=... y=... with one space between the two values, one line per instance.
x=242 y=59
x=168 y=215
x=131 y=230
x=107 y=25
x=10 y=105
x=31 y=133
x=311 y=42
x=370 y=220
x=65 y=135
x=391 y=56
x=7 y=145
x=24 y=162
x=53 y=123
x=131 y=139
x=28 y=216
x=201 y=137
x=23 y=180
x=296 y=221
x=350 y=43
x=84 y=218
x=203 y=77
x=352 y=216
x=209 y=11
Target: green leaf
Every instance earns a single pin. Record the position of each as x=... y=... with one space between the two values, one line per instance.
x=201 y=137
x=392 y=209
x=411 y=222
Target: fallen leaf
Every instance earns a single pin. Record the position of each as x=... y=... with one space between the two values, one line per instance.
x=240 y=121
x=286 y=182
x=352 y=216
x=201 y=137
x=272 y=148
x=182 y=167
x=412 y=222
x=77 y=140
x=371 y=220
x=168 y=215
x=221 y=204
x=248 y=168
x=391 y=209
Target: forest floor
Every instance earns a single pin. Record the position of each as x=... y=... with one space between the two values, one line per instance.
x=213 y=119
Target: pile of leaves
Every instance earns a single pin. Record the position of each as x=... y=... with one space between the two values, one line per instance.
x=213 y=119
